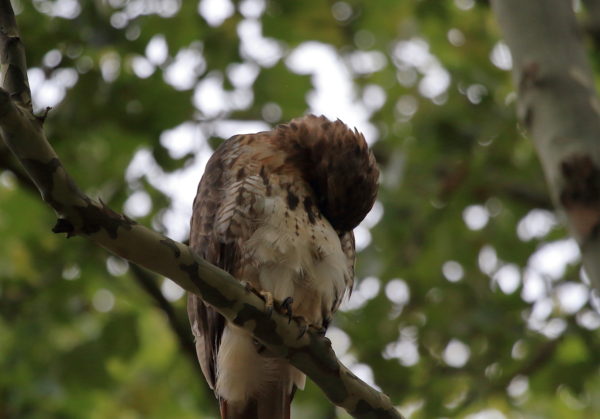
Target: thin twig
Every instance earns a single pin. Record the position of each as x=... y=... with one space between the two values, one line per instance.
x=147 y=282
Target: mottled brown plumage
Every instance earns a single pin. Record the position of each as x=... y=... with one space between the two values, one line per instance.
x=276 y=209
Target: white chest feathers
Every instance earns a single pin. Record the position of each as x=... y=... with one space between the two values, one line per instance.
x=300 y=256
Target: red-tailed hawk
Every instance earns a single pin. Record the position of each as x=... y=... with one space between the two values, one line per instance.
x=276 y=209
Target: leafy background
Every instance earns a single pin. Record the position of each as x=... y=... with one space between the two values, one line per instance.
x=470 y=302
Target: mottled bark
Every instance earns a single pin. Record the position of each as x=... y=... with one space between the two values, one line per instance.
x=79 y=215
x=559 y=108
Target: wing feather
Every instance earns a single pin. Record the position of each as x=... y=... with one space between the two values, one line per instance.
x=229 y=201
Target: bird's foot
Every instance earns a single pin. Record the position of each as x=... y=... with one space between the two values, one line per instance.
x=321 y=330
x=250 y=288
x=302 y=324
x=285 y=308
x=266 y=296
x=268 y=299
x=305 y=326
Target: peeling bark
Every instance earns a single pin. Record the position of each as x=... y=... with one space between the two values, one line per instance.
x=79 y=215
x=559 y=108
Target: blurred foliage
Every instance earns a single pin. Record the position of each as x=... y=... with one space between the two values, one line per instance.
x=442 y=334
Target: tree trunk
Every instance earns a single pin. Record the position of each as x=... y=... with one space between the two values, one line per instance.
x=559 y=108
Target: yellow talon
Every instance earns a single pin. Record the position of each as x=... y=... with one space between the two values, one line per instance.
x=268 y=297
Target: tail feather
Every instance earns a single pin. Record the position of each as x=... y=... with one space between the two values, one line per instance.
x=274 y=403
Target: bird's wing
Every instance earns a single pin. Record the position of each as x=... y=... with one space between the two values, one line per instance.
x=230 y=199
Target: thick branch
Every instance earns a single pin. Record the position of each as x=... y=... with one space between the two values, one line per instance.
x=559 y=107
x=13 y=67
x=80 y=215
x=8 y=162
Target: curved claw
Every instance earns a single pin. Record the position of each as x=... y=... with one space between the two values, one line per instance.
x=303 y=324
x=303 y=330
x=286 y=307
x=320 y=330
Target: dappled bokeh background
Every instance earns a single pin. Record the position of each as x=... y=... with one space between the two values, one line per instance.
x=470 y=300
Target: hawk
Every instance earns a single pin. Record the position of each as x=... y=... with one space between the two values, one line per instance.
x=276 y=209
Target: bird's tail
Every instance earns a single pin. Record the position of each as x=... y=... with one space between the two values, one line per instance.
x=273 y=403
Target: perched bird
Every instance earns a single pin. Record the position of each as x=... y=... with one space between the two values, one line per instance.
x=276 y=209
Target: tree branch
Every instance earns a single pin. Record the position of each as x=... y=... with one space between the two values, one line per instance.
x=13 y=65
x=8 y=162
x=80 y=215
x=559 y=107
x=540 y=356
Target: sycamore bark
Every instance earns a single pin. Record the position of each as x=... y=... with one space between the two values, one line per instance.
x=558 y=106
x=79 y=215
